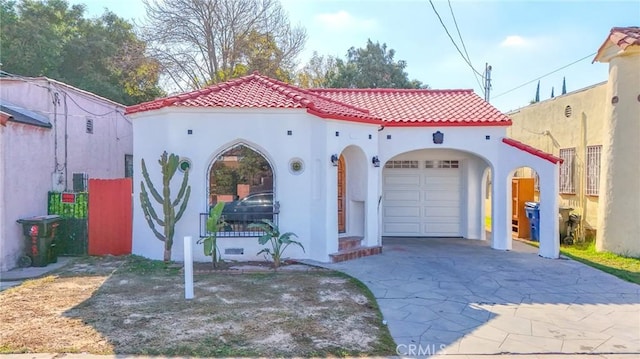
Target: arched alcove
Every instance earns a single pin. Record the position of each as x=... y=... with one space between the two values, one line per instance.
x=243 y=178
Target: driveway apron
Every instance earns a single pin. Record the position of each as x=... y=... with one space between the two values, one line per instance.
x=457 y=296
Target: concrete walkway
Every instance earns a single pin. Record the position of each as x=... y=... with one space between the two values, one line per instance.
x=18 y=275
x=456 y=296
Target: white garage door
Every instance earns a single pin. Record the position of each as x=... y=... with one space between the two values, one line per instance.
x=421 y=198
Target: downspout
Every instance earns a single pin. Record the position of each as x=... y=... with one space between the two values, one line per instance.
x=583 y=176
x=66 y=137
x=3 y=228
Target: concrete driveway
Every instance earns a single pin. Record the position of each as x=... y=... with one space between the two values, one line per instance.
x=456 y=296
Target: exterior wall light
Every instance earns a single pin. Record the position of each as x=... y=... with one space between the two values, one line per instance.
x=376 y=161
x=334 y=160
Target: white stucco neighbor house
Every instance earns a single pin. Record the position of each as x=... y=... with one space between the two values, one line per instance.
x=345 y=167
x=51 y=133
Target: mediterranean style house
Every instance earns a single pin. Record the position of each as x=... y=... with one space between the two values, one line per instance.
x=595 y=130
x=341 y=168
x=53 y=136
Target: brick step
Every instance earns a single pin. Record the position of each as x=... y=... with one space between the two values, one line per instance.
x=345 y=243
x=355 y=253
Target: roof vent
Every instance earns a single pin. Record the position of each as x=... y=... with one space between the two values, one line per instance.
x=567 y=111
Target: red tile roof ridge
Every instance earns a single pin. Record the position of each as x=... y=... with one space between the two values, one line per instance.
x=532 y=150
x=390 y=90
x=267 y=80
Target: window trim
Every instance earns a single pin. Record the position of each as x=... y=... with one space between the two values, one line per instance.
x=594 y=153
x=567 y=172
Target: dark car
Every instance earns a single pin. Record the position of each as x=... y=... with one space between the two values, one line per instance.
x=252 y=208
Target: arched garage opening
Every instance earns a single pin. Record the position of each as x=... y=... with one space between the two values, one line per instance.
x=434 y=193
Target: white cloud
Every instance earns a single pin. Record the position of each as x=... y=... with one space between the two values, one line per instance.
x=514 y=41
x=342 y=20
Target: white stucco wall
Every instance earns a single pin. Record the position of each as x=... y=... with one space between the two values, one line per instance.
x=308 y=205
x=28 y=152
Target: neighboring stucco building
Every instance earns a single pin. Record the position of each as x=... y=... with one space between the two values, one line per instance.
x=595 y=130
x=49 y=132
x=346 y=165
x=569 y=126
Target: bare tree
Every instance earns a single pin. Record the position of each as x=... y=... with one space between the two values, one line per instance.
x=200 y=42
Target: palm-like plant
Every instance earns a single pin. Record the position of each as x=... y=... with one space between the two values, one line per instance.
x=215 y=223
x=279 y=242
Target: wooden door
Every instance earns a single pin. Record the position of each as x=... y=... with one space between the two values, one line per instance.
x=342 y=171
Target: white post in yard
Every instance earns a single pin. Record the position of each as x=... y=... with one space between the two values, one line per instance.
x=188 y=269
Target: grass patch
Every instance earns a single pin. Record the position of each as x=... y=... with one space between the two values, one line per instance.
x=626 y=268
x=143 y=266
x=135 y=306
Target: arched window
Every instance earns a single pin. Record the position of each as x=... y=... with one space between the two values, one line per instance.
x=243 y=179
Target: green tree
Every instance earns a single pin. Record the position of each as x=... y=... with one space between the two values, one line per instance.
x=315 y=73
x=372 y=66
x=101 y=55
x=251 y=164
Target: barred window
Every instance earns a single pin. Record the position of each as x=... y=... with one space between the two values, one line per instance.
x=567 y=171
x=593 y=170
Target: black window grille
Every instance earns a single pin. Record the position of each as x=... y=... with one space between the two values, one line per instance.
x=80 y=181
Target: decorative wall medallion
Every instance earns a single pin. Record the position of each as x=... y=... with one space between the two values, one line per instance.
x=184 y=164
x=296 y=166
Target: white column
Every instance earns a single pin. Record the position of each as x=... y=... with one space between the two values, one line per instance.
x=549 y=203
x=188 y=268
x=501 y=210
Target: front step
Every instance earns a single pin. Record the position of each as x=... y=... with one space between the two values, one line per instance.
x=355 y=253
x=346 y=243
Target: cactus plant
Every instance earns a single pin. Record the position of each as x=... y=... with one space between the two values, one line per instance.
x=169 y=164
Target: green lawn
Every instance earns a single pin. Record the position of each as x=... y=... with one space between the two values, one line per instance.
x=627 y=268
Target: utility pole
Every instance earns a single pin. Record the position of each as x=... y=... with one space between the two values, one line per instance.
x=487 y=81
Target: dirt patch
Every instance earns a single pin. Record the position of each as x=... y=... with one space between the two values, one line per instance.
x=125 y=306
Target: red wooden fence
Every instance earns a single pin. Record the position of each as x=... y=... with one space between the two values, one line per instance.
x=110 y=216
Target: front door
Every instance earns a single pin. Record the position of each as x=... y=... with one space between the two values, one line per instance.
x=341 y=195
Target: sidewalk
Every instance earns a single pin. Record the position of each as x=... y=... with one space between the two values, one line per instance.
x=18 y=275
x=524 y=356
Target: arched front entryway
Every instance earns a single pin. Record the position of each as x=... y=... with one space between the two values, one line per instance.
x=352 y=192
x=433 y=193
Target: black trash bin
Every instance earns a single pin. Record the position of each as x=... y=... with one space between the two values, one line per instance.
x=533 y=214
x=40 y=238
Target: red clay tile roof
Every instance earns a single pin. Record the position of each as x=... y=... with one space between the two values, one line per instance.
x=534 y=151
x=622 y=37
x=398 y=107
x=257 y=91
x=391 y=107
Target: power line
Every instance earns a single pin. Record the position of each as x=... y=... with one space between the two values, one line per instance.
x=545 y=75
x=452 y=40
x=463 y=45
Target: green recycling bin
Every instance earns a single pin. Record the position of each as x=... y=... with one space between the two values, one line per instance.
x=40 y=238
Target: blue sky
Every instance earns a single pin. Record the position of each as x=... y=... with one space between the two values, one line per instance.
x=521 y=40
